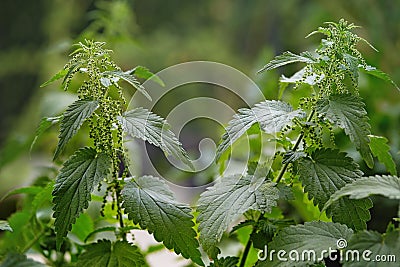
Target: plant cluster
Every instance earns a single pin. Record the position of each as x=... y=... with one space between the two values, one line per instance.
x=307 y=162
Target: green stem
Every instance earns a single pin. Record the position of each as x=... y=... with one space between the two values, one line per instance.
x=295 y=147
x=248 y=244
x=119 y=209
x=246 y=250
x=33 y=241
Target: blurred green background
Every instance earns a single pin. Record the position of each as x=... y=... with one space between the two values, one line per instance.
x=36 y=38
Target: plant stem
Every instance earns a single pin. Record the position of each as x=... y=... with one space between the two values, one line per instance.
x=245 y=253
x=33 y=241
x=248 y=244
x=246 y=250
x=119 y=210
x=295 y=147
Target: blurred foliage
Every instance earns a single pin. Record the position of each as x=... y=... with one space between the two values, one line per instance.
x=36 y=37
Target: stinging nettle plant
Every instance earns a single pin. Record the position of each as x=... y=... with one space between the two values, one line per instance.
x=308 y=161
x=147 y=201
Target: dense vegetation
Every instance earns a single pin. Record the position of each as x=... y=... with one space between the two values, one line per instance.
x=310 y=194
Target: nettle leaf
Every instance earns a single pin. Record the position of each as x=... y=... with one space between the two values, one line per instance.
x=226 y=201
x=43 y=197
x=381 y=150
x=271 y=115
x=5 y=226
x=292 y=156
x=59 y=75
x=73 y=119
x=74 y=185
x=225 y=262
x=379 y=74
x=150 y=127
x=30 y=190
x=26 y=227
x=312 y=239
x=388 y=186
x=45 y=124
x=382 y=250
x=324 y=173
x=145 y=73
x=351 y=65
x=242 y=224
x=100 y=230
x=347 y=111
x=19 y=260
x=72 y=70
x=151 y=204
x=128 y=77
x=299 y=76
x=107 y=254
x=266 y=230
x=352 y=212
x=288 y=58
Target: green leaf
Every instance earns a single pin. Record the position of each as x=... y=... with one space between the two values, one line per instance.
x=291 y=156
x=74 y=185
x=380 y=149
x=388 y=186
x=352 y=212
x=154 y=248
x=271 y=115
x=300 y=77
x=73 y=119
x=59 y=75
x=225 y=262
x=242 y=224
x=312 y=237
x=45 y=124
x=266 y=230
x=31 y=190
x=83 y=226
x=71 y=71
x=322 y=30
x=351 y=65
x=5 y=226
x=43 y=197
x=324 y=173
x=100 y=230
x=25 y=229
x=288 y=58
x=368 y=43
x=144 y=73
x=379 y=74
x=347 y=111
x=150 y=127
x=150 y=203
x=126 y=76
x=19 y=260
x=228 y=199
x=386 y=245
x=107 y=254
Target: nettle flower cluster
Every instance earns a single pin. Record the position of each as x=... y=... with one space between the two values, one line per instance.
x=101 y=82
x=333 y=68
